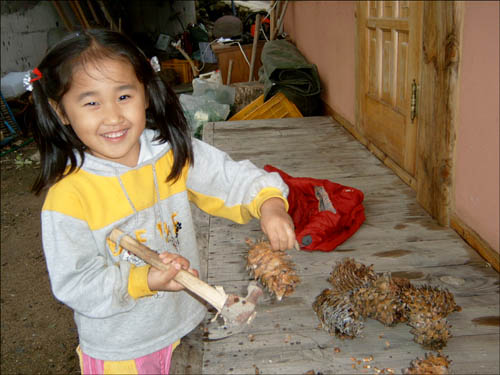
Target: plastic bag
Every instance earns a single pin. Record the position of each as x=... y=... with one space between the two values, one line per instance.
x=210 y=85
x=202 y=109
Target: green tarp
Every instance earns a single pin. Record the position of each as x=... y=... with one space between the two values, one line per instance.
x=284 y=69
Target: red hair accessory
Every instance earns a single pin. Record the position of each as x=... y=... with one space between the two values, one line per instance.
x=38 y=74
x=27 y=80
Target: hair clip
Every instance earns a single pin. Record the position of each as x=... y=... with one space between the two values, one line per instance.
x=28 y=81
x=155 y=64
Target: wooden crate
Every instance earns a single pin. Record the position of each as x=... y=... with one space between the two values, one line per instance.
x=181 y=67
x=240 y=70
x=276 y=107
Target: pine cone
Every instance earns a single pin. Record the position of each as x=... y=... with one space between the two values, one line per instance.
x=430 y=333
x=427 y=309
x=337 y=314
x=380 y=301
x=348 y=275
x=272 y=268
x=429 y=300
x=432 y=365
x=358 y=293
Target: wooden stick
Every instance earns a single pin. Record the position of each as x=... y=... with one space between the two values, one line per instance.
x=254 y=47
x=107 y=15
x=94 y=14
x=229 y=72
x=61 y=14
x=272 y=25
x=79 y=9
x=76 y=13
x=195 y=70
x=280 y=22
x=213 y=296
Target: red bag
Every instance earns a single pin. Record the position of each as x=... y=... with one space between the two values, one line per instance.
x=324 y=213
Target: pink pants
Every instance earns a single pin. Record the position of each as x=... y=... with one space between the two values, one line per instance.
x=157 y=363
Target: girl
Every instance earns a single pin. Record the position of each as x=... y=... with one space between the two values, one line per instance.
x=116 y=151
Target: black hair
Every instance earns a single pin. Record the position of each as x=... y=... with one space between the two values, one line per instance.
x=58 y=143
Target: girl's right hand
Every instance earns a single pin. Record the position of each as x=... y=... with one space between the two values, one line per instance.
x=164 y=280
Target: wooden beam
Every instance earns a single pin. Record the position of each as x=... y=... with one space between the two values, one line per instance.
x=77 y=14
x=475 y=240
x=80 y=11
x=272 y=19
x=442 y=34
x=108 y=17
x=229 y=71
x=62 y=15
x=94 y=14
x=254 y=46
x=280 y=21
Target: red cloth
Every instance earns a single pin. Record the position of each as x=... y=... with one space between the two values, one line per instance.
x=326 y=230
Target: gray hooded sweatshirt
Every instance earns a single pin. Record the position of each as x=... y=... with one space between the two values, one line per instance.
x=117 y=316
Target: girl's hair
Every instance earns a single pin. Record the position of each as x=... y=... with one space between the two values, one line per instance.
x=58 y=143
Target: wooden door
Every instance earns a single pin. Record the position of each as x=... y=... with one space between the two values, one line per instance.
x=389 y=55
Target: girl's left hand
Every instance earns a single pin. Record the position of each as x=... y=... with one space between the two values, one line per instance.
x=277 y=224
x=158 y=279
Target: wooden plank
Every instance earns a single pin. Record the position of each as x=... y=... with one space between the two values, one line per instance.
x=62 y=15
x=78 y=15
x=476 y=241
x=306 y=352
x=94 y=14
x=437 y=108
x=398 y=236
x=82 y=16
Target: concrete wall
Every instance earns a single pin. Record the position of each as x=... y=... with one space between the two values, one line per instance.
x=477 y=147
x=324 y=31
x=24 y=33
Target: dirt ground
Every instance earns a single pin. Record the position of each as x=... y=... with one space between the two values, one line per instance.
x=38 y=333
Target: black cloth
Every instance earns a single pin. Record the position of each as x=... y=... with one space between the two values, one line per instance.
x=284 y=69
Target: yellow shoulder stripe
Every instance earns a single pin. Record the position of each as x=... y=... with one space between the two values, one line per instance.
x=241 y=213
x=101 y=201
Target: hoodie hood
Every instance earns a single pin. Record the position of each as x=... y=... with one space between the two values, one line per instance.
x=150 y=152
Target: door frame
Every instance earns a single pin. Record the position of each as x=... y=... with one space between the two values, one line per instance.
x=437 y=107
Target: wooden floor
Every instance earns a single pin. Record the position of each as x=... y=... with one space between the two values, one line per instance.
x=397 y=236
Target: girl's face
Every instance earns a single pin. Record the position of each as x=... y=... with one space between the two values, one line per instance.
x=106 y=107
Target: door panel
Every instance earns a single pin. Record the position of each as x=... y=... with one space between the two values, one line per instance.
x=390 y=44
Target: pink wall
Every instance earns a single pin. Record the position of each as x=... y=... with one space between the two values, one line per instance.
x=323 y=31
x=477 y=144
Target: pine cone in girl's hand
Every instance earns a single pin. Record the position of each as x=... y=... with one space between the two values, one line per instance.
x=273 y=268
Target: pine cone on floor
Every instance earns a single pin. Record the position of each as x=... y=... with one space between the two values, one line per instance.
x=432 y=365
x=430 y=333
x=337 y=314
x=349 y=275
x=380 y=301
x=358 y=292
x=273 y=268
x=427 y=310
